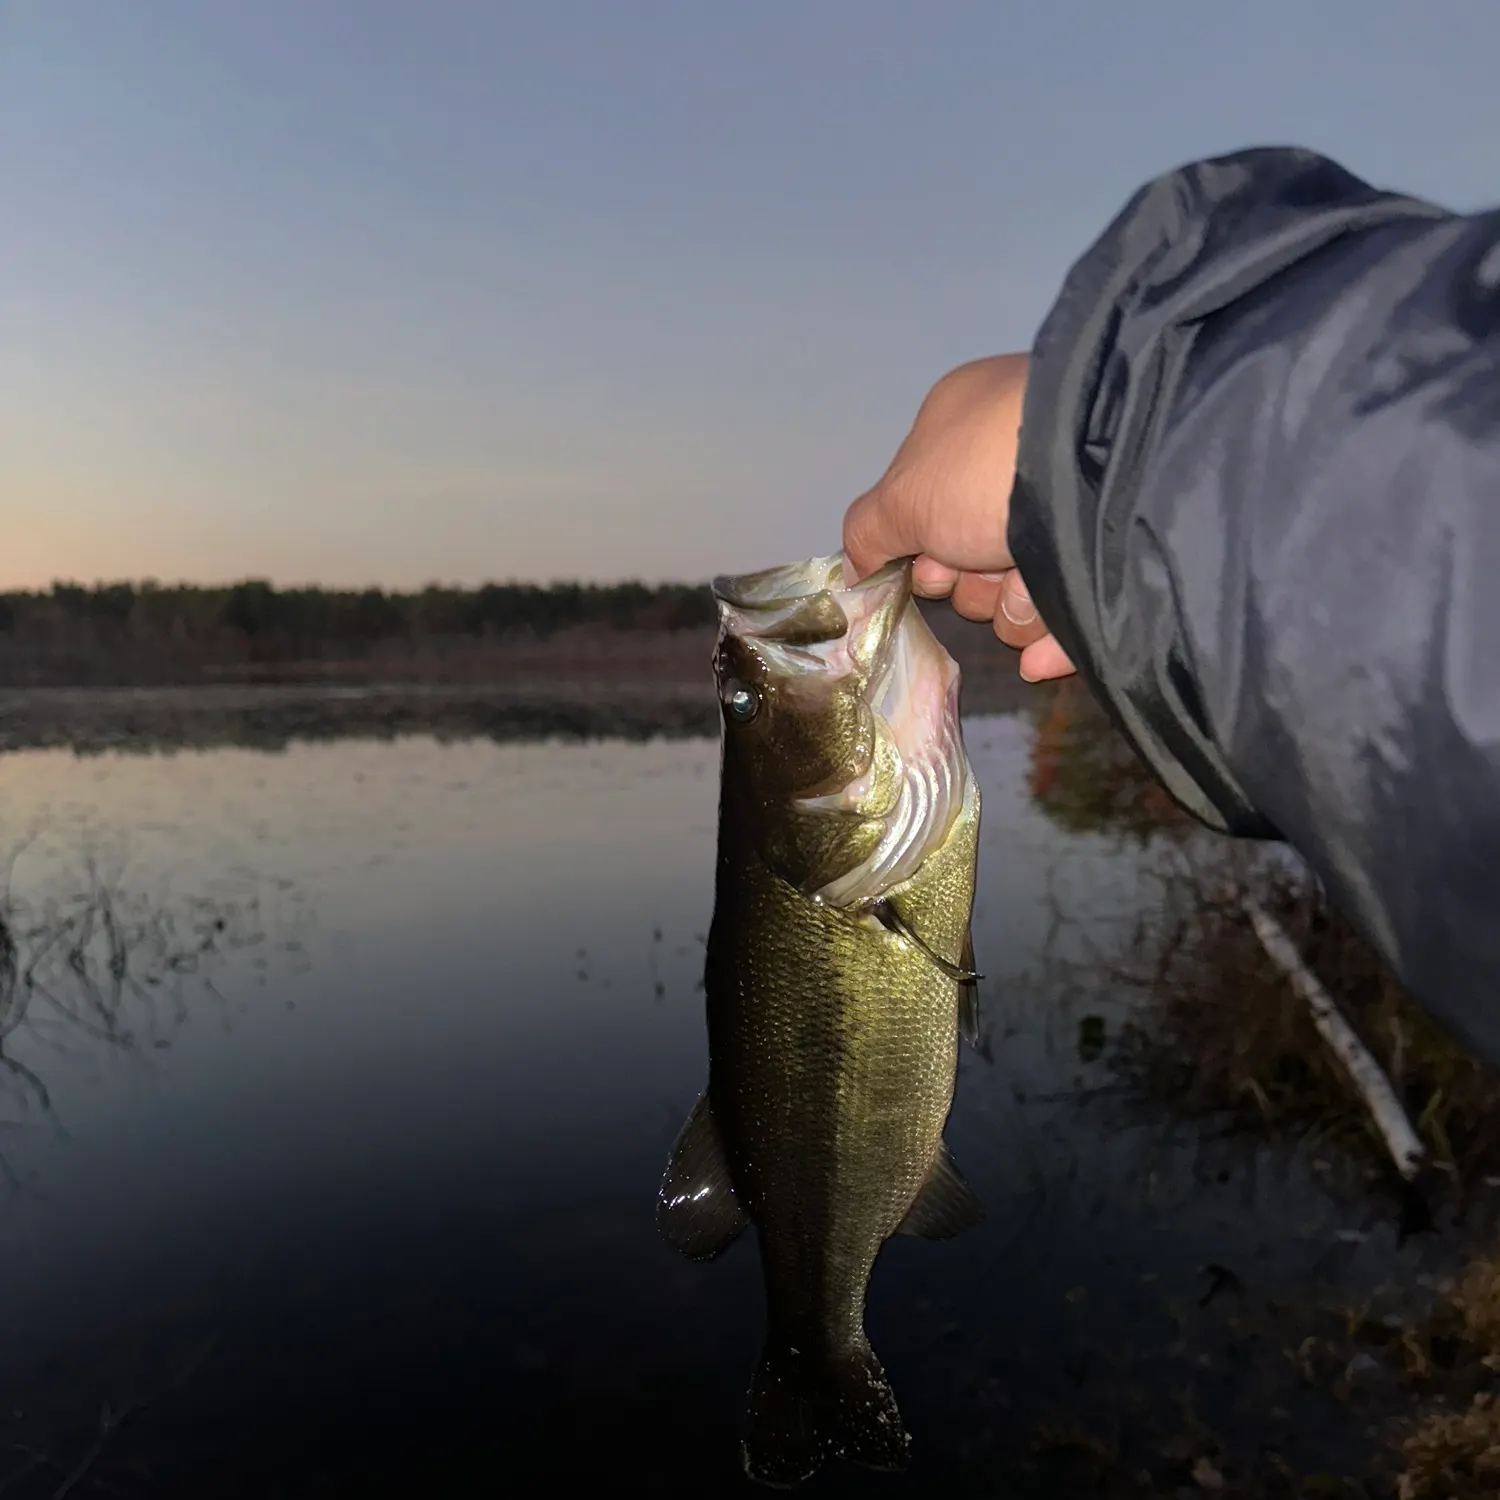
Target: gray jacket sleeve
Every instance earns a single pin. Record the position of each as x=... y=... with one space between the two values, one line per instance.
x=1258 y=502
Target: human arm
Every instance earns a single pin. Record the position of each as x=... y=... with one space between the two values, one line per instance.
x=1257 y=503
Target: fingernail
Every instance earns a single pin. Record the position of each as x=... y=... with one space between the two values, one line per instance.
x=993 y=577
x=1024 y=611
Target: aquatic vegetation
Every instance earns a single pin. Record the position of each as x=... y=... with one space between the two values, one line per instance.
x=1220 y=1035
x=90 y=962
x=1455 y=1455
x=1224 y=1032
x=1452 y=1451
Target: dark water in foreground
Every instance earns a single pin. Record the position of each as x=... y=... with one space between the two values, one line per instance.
x=332 y=1158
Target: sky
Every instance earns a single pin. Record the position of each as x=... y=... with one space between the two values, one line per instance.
x=361 y=292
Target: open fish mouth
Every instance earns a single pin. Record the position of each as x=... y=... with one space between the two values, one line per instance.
x=771 y=588
x=811 y=618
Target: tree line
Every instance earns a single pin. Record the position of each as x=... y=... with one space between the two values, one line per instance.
x=256 y=609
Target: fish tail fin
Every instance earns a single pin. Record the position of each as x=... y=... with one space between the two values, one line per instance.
x=807 y=1408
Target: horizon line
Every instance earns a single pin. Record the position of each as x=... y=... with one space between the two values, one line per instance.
x=149 y=584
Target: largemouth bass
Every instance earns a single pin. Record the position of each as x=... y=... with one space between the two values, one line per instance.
x=838 y=978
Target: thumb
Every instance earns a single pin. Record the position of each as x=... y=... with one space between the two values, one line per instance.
x=876 y=529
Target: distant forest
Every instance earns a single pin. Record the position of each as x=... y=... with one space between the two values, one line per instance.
x=166 y=632
x=256 y=608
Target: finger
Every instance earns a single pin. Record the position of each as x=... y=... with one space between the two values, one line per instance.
x=1045 y=659
x=931 y=579
x=1015 y=600
x=976 y=596
x=1015 y=619
x=876 y=529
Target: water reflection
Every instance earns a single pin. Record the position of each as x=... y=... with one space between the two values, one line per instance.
x=91 y=966
x=1219 y=1030
x=398 y=1237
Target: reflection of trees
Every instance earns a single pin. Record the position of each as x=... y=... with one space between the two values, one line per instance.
x=103 y=966
x=1087 y=778
x=641 y=705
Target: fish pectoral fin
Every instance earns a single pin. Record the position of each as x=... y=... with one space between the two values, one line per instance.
x=886 y=913
x=696 y=1207
x=946 y=1206
x=968 y=995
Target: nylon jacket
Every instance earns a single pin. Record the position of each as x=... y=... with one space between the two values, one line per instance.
x=1257 y=501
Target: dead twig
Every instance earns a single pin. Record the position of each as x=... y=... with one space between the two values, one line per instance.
x=1373 y=1087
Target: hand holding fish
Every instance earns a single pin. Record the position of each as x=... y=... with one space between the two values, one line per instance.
x=945 y=499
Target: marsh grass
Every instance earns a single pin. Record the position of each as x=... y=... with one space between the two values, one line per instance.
x=1223 y=1031
x=1218 y=1033
x=1455 y=1455
x=94 y=964
x=1451 y=1451
x=1404 y=1385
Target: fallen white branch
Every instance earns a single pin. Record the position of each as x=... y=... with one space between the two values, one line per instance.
x=1406 y=1148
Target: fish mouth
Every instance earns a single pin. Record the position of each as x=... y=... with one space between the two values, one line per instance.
x=812 y=619
x=790 y=583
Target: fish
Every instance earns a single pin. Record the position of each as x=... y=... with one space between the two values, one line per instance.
x=838 y=979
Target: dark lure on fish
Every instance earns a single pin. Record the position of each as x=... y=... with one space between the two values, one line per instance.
x=839 y=975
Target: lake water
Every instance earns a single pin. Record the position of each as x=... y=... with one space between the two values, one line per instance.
x=331 y=1159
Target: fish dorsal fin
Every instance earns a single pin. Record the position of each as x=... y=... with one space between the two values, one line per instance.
x=946 y=1206
x=696 y=1207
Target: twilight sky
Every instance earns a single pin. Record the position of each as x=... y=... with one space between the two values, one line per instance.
x=388 y=291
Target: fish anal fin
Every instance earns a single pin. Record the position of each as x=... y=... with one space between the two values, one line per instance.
x=945 y=1207
x=696 y=1207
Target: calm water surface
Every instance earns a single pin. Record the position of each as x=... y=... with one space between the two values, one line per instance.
x=332 y=1171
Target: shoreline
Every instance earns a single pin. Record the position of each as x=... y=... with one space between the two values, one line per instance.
x=94 y=720
x=621 y=686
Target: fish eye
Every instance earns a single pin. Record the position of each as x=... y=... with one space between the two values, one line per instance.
x=741 y=702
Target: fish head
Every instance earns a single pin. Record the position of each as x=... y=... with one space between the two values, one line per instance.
x=832 y=692
x=796 y=652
